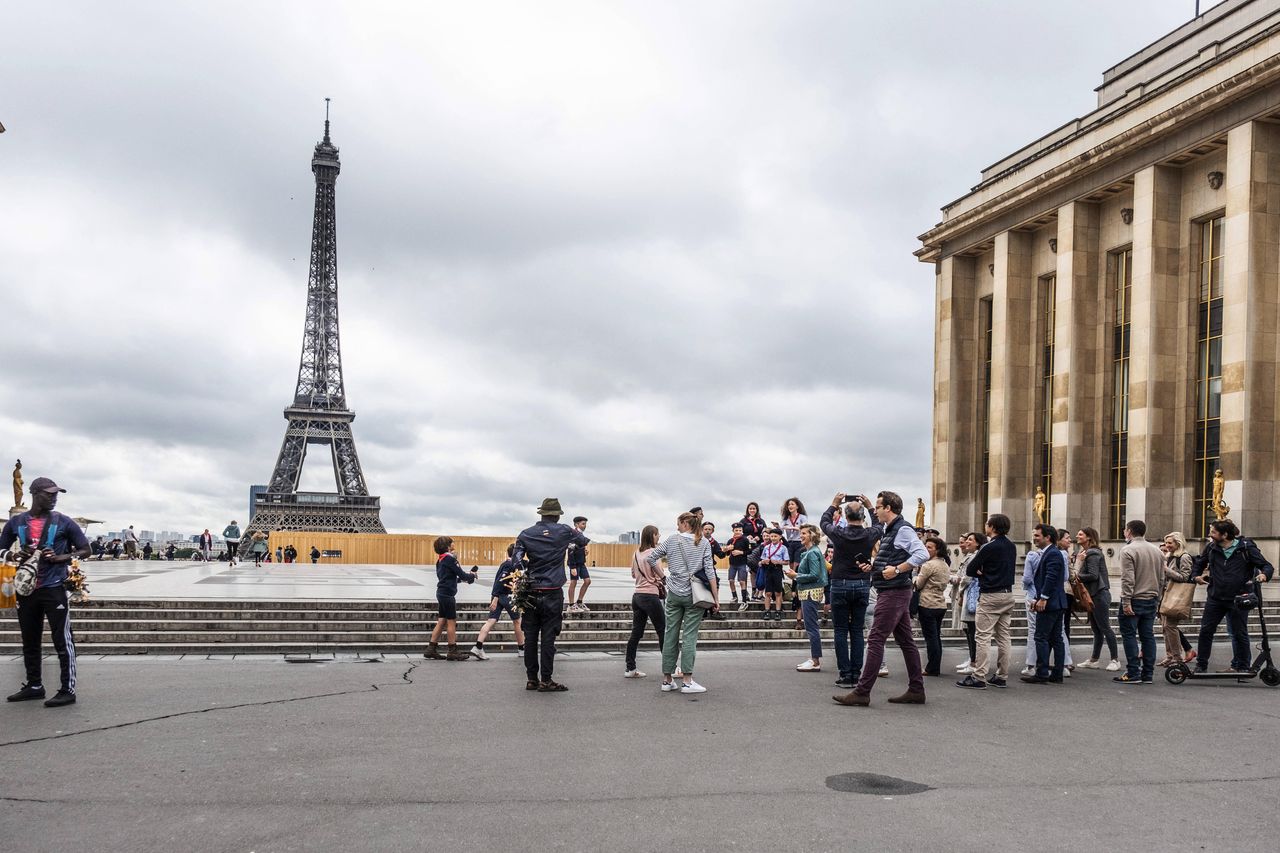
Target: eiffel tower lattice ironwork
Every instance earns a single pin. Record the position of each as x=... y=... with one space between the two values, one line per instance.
x=319 y=414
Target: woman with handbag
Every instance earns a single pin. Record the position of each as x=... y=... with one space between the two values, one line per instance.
x=1175 y=606
x=810 y=579
x=965 y=599
x=688 y=554
x=931 y=583
x=1091 y=567
x=646 y=601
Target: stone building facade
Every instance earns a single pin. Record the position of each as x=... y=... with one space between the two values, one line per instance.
x=1108 y=301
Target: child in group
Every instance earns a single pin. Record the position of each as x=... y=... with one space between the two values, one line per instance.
x=500 y=600
x=774 y=557
x=448 y=573
x=738 y=547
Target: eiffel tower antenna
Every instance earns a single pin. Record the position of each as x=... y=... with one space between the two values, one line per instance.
x=319 y=413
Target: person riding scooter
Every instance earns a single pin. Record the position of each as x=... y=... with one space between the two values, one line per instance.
x=1229 y=566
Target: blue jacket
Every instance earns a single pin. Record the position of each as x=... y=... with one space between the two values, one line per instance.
x=543 y=547
x=1050 y=573
x=448 y=573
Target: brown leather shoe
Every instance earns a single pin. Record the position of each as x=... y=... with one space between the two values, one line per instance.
x=853 y=699
x=908 y=698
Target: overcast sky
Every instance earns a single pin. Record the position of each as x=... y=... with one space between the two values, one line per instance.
x=638 y=256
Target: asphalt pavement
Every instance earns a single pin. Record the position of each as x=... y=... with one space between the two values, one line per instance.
x=407 y=754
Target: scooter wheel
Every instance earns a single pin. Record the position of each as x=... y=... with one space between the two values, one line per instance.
x=1270 y=676
x=1175 y=674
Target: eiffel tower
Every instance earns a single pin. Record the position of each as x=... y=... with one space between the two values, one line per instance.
x=319 y=414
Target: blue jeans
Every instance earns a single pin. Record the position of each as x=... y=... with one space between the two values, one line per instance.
x=810 y=610
x=1140 y=627
x=849 y=616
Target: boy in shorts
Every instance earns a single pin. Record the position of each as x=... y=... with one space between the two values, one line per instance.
x=737 y=548
x=448 y=573
x=500 y=600
x=578 y=571
x=774 y=557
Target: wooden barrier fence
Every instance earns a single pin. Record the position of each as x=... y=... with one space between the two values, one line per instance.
x=414 y=549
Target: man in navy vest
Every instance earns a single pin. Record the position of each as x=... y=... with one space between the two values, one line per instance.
x=900 y=552
x=59 y=541
x=1050 y=607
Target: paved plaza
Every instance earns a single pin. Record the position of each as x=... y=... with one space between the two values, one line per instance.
x=407 y=754
x=218 y=581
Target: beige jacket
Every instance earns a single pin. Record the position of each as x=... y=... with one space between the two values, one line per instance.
x=932 y=580
x=1141 y=570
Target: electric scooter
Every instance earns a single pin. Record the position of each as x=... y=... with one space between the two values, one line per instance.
x=1263 y=667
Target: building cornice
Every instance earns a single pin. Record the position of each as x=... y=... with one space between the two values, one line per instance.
x=1094 y=158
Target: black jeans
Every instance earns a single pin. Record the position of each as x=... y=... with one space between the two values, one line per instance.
x=541 y=623
x=971 y=638
x=1214 y=610
x=931 y=627
x=1100 y=622
x=50 y=603
x=232 y=548
x=645 y=607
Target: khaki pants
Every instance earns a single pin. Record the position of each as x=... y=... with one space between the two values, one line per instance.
x=994 y=618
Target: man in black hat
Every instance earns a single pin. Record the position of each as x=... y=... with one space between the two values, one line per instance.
x=59 y=540
x=544 y=546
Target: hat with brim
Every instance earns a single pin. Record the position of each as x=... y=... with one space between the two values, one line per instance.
x=45 y=485
x=550 y=506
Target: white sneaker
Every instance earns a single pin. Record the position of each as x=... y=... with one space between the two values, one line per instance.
x=692 y=687
x=670 y=686
x=582 y=608
x=884 y=672
x=1028 y=670
x=633 y=673
x=967 y=665
x=968 y=670
x=478 y=653
x=1066 y=673
x=1089 y=664
x=743 y=606
x=808 y=666
x=1114 y=666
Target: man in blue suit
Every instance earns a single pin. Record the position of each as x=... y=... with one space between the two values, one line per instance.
x=1051 y=608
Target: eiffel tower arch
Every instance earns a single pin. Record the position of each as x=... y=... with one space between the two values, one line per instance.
x=319 y=413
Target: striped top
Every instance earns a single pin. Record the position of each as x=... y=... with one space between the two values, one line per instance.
x=683 y=559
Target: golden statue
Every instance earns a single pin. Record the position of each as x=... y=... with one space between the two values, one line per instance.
x=919 y=512
x=1040 y=505
x=1219 y=506
x=17 y=486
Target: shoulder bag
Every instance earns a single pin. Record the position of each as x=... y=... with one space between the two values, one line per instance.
x=971 y=597
x=701 y=593
x=1082 y=601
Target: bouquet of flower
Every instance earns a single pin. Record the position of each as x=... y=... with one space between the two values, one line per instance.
x=76 y=583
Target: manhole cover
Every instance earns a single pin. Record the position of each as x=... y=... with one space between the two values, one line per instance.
x=874 y=783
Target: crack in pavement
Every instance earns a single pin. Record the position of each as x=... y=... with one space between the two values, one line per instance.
x=372 y=688
x=311 y=801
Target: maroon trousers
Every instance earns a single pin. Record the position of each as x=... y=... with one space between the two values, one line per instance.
x=892 y=617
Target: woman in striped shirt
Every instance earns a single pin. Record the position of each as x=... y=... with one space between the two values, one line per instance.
x=687 y=553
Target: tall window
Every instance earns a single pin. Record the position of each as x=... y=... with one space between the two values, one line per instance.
x=1208 y=371
x=984 y=409
x=1048 y=299
x=1122 y=299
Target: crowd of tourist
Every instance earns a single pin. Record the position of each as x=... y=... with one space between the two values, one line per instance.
x=864 y=560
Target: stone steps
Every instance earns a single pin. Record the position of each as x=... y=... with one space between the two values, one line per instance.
x=371 y=627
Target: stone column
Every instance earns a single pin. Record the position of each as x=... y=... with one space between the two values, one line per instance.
x=1080 y=418
x=1250 y=307
x=1158 y=394
x=1013 y=380
x=957 y=396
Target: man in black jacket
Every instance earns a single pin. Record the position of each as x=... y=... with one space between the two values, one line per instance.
x=1229 y=565
x=544 y=546
x=850 y=585
x=994 y=566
